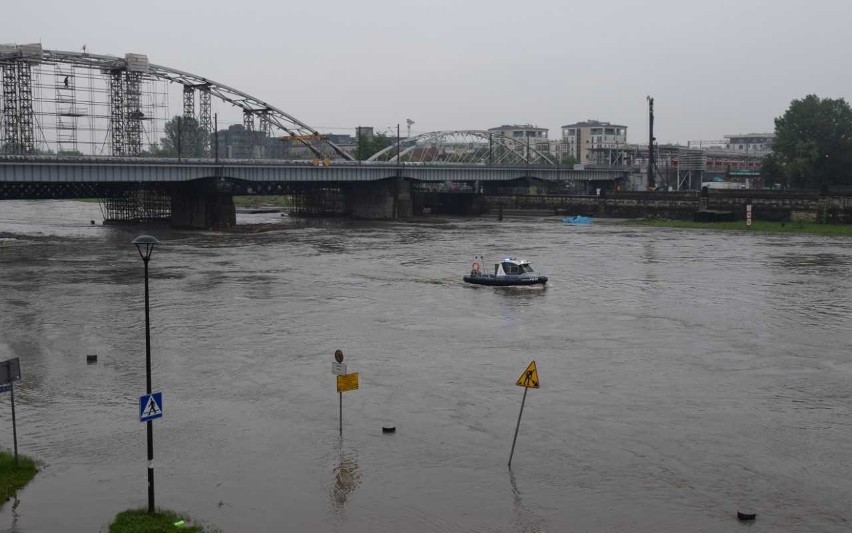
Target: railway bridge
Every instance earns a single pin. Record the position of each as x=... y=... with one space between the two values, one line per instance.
x=75 y=124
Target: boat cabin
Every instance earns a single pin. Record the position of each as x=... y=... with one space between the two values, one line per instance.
x=512 y=267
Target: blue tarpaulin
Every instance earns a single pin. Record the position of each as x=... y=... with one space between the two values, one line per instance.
x=577 y=220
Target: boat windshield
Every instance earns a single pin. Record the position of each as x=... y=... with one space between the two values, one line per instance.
x=527 y=268
x=512 y=269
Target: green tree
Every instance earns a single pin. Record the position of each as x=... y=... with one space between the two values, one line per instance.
x=370 y=144
x=569 y=160
x=772 y=172
x=813 y=143
x=184 y=138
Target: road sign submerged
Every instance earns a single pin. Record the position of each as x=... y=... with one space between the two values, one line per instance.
x=529 y=378
x=10 y=371
x=150 y=406
x=347 y=382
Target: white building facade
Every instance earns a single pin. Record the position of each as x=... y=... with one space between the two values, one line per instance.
x=579 y=138
x=526 y=135
x=750 y=143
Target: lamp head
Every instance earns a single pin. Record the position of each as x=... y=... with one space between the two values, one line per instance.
x=145 y=245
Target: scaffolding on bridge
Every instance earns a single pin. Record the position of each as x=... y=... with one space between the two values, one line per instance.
x=60 y=102
x=93 y=112
x=317 y=201
x=139 y=205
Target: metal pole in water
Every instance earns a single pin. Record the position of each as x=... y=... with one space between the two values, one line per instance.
x=517 y=427
x=341 y=413
x=149 y=424
x=14 y=426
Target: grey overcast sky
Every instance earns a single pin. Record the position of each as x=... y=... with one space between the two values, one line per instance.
x=713 y=67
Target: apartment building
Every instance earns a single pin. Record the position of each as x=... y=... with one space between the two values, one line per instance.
x=579 y=138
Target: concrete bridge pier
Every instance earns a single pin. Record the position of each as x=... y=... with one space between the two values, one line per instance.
x=388 y=199
x=205 y=205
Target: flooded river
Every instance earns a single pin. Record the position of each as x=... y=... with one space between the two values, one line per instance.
x=684 y=375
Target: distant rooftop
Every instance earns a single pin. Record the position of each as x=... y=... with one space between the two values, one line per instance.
x=593 y=124
x=750 y=135
x=517 y=127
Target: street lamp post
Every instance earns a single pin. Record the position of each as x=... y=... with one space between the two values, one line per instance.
x=145 y=245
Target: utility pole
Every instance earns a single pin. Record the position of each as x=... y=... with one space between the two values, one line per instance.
x=216 y=137
x=651 y=156
x=396 y=184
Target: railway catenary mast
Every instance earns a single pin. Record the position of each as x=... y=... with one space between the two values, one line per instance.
x=652 y=161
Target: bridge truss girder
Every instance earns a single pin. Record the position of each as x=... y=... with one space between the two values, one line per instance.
x=17 y=113
x=188 y=101
x=117 y=108
x=11 y=122
x=463 y=146
x=205 y=121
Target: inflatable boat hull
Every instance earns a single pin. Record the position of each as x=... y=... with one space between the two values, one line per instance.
x=505 y=281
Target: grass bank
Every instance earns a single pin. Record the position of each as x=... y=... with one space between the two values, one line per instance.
x=163 y=521
x=757 y=225
x=14 y=477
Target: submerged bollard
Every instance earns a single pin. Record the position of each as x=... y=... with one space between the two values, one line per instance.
x=388 y=428
x=746 y=515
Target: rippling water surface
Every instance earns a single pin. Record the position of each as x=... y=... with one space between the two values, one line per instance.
x=685 y=375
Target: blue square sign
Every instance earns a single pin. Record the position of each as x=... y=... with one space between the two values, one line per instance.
x=150 y=406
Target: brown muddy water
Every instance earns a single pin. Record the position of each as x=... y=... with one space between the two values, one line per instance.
x=685 y=375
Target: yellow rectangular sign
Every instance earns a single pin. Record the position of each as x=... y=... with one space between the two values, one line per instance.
x=347 y=382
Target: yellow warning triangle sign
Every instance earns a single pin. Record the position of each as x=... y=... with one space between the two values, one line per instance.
x=529 y=378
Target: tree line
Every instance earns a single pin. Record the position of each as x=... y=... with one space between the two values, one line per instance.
x=813 y=146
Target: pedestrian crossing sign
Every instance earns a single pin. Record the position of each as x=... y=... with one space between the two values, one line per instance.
x=150 y=406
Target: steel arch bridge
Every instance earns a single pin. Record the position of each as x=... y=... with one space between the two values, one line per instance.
x=463 y=147
x=52 y=98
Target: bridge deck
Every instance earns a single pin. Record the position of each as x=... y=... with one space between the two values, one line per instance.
x=142 y=170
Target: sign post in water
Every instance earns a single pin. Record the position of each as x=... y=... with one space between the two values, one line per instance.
x=10 y=372
x=345 y=382
x=528 y=380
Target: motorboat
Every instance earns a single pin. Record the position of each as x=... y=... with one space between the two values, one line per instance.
x=572 y=221
x=508 y=272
